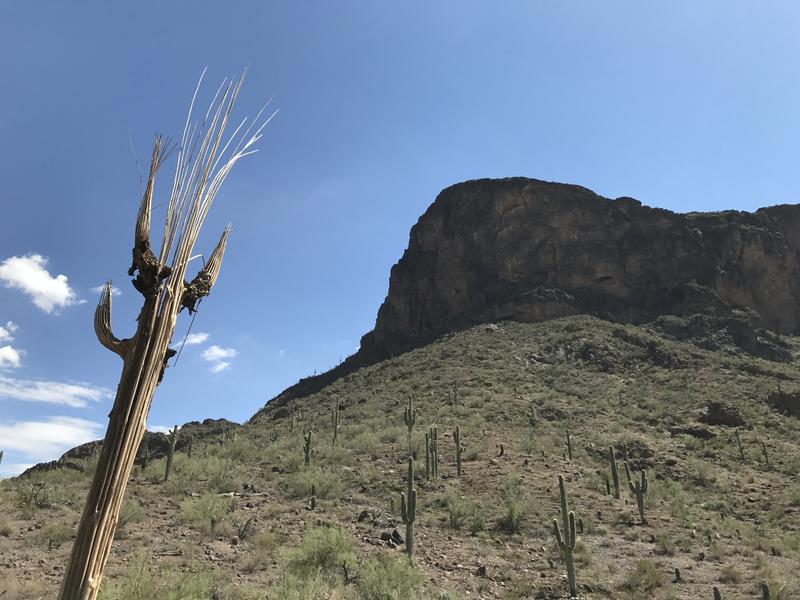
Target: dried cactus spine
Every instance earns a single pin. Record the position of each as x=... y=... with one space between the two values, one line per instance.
x=173 y=439
x=408 y=509
x=566 y=541
x=639 y=490
x=202 y=168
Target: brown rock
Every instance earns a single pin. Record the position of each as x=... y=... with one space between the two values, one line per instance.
x=529 y=250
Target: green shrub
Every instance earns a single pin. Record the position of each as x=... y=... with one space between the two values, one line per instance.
x=141 y=582
x=388 y=577
x=462 y=511
x=131 y=512
x=55 y=534
x=199 y=511
x=515 y=506
x=730 y=574
x=328 y=484
x=645 y=576
x=324 y=550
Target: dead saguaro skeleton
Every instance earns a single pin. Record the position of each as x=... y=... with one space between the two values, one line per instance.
x=204 y=159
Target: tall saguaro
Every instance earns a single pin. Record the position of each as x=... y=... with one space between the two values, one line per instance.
x=204 y=159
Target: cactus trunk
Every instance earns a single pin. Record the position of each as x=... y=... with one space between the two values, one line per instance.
x=145 y=354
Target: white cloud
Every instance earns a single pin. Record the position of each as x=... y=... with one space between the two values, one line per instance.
x=28 y=273
x=115 y=291
x=215 y=353
x=49 y=438
x=77 y=395
x=281 y=353
x=159 y=428
x=219 y=366
x=196 y=338
x=218 y=357
x=10 y=358
x=7 y=332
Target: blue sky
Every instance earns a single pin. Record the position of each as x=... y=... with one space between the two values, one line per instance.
x=684 y=105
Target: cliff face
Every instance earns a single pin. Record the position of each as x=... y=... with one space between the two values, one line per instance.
x=529 y=250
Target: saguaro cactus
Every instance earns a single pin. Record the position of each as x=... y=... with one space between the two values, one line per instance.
x=409 y=418
x=307 y=448
x=566 y=541
x=457 y=441
x=427 y=456
x=434 y=440
x=408 y=509
x=739 y=444
x=173 y=439
x=639 y=490
x=614 y=473
x=295 y=416
x=204 y=159
x=569 y=446
x=336 y=419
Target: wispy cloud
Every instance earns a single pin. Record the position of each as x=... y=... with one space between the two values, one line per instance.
x=115 y=291
x=196 y=338
x=7 y=332
x=28 y=274
x=218 y=357
x=48 y=438
x=10 y=358
x=77 y=395
x=281 y=353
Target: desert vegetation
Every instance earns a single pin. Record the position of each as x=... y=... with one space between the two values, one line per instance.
x=275 y=510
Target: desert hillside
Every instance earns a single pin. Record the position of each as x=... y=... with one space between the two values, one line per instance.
x=234 y=520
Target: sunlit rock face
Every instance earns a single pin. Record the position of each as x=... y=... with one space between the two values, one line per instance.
x=529 y=250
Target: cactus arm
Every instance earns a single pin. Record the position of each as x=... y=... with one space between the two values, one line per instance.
x=102 y=325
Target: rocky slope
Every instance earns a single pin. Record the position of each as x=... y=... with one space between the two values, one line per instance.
x=724 y=515
x=527 y=250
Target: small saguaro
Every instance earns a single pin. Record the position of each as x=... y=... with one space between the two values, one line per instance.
x=457 y=442
x=639 y=490
x=410 y=418
x=173 y=439
x=566 y=541
x=614 y=473
x=408 y=509
x=307 y=448
x=336 y=419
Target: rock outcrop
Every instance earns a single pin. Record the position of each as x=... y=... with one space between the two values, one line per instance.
x=528 y=250
x=156 y=443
